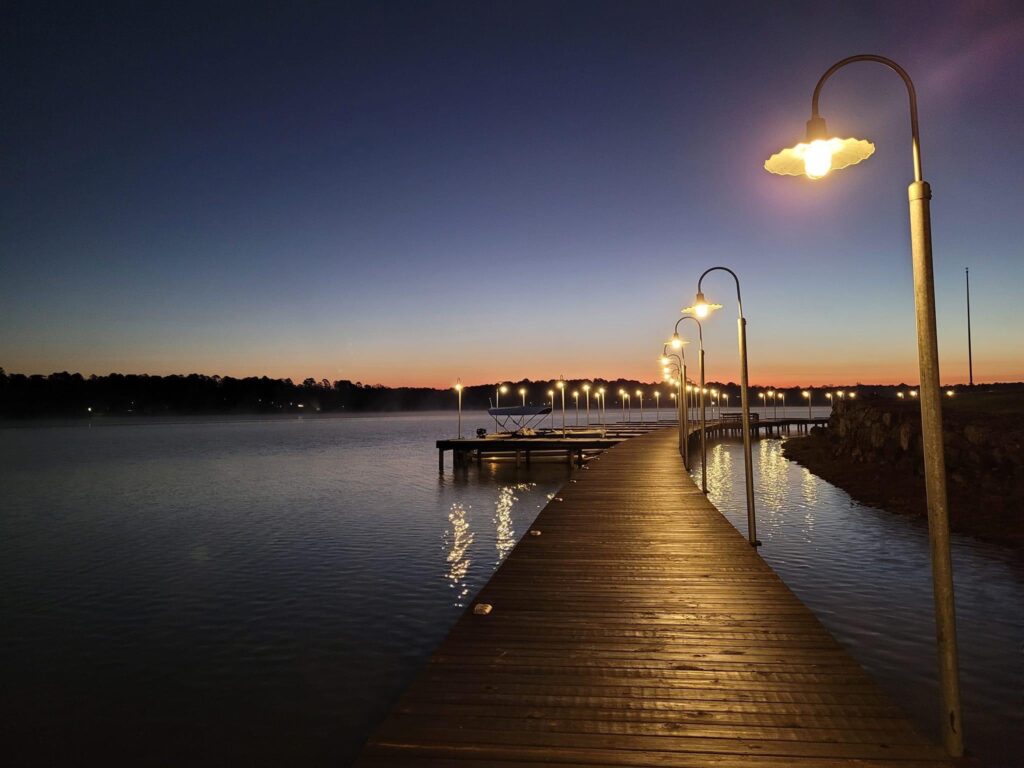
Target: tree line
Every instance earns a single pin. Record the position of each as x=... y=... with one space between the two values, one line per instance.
x=74 y=395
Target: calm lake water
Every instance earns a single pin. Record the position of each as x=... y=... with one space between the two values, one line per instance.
x=258 y=591
x=866 y=574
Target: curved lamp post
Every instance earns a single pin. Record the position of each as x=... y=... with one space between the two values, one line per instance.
x=684 y=411
x=704 y=422
x=815 y=159
x=703 y=415
x=701 y=308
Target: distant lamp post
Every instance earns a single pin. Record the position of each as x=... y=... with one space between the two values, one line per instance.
x=815 y=159
x=522 y=393
x=586 y=391
x=782 y=396
x=899 y=395
x=807 y=396
x=551 y=396
x=851 y=395
x=950 y=393
x=498 y=392
x=640 y=394
x=622 y=402
x=702 y=390
x=828 y=396
x=913 y=393
x=657 y=406
x=681 y=403
x=576 y=397
x=561 y=388
x=458 y=392
x=601 y=404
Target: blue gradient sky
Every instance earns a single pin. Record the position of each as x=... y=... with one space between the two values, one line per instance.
x=404 y=193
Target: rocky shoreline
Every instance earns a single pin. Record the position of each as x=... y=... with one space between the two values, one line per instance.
x=872 y=450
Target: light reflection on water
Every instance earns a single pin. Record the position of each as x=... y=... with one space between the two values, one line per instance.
x=866 y=574
x=458 y=539
x=236 y=591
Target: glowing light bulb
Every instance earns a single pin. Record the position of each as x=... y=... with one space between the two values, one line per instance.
x=701 y=309
x=818 y=159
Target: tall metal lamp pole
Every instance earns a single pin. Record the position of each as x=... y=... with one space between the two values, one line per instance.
x=815 y=159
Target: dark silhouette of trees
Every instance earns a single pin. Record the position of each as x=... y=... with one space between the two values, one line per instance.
x=73 y=395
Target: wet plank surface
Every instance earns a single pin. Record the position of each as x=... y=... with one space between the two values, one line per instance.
x=640 y=628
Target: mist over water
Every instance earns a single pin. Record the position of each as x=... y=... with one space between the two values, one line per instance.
x=866 y=574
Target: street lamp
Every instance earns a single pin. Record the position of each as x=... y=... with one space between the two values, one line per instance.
x=828 y=396
x=586 y=390
x=820 y=155
x=807 y=394
x=657 y=406
x=622 y=402
x=498 y=392
x=561 y=388
x=640 y=394
x=522 y=392
x=701 y=308
x=551 y=394
x=782 y=396
x=913 y=393
x=681 y=404
x=458 y=391
x=601 y=404
x=899 y=395
x=576 y=397
x=702 y=390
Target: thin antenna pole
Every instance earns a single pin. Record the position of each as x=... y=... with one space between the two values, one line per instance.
x=970 y=358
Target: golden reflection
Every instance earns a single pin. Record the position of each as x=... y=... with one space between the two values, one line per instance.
x=809 y=490
x=773 y=469
x=720 y=477
x=458 y=540
x=504 y=533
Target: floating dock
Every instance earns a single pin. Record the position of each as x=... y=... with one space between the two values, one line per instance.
x=634 y=626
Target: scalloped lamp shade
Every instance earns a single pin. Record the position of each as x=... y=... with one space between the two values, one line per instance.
x=701 y=310
x=815 y=159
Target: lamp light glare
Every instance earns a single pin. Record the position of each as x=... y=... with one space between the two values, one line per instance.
x=818 y=159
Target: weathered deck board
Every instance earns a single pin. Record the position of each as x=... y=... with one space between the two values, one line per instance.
x=640 y=628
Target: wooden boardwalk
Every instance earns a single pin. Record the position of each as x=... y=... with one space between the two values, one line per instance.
x=640 y=629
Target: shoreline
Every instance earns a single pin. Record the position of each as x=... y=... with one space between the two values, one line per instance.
x=894 y=490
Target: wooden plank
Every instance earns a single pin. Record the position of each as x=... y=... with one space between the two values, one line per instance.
x=640 y=628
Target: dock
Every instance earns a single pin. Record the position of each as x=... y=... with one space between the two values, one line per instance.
x=634 y=626
x=576 y=444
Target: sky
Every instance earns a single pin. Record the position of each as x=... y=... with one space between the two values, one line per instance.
x=406 y=193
